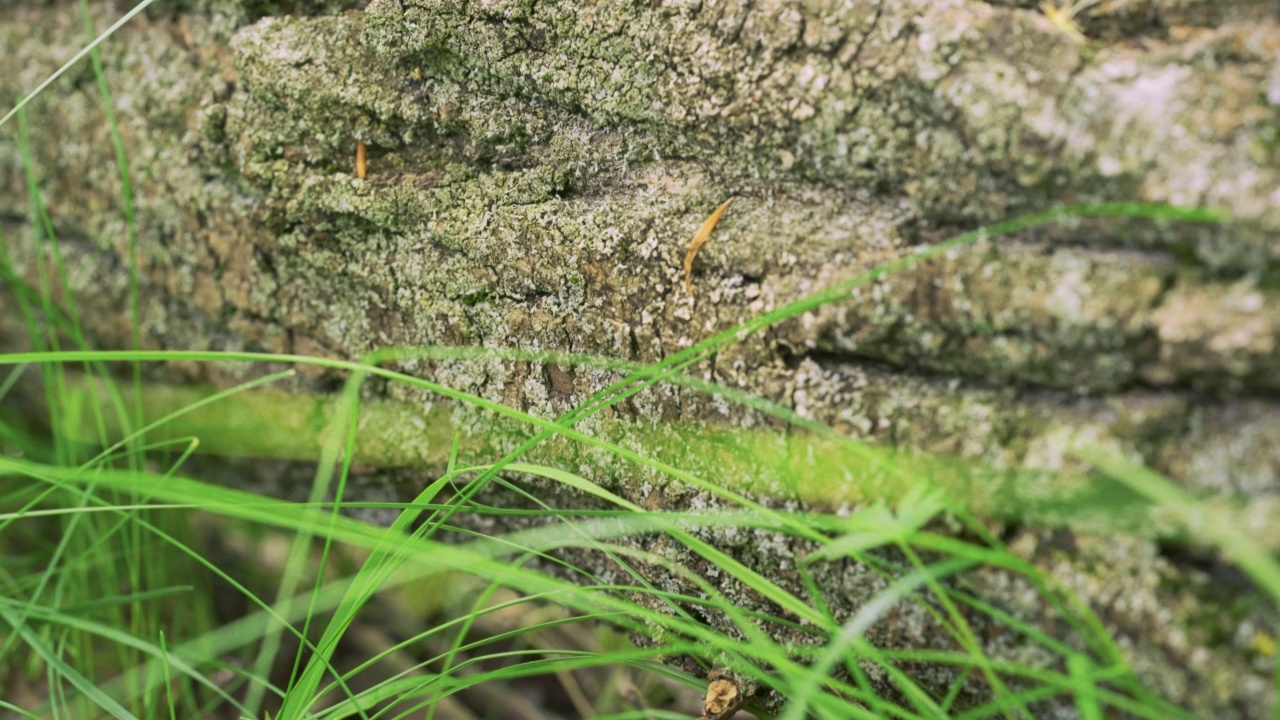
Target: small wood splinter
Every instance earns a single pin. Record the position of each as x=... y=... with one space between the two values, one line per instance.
x=362 y=160
x=700 y=239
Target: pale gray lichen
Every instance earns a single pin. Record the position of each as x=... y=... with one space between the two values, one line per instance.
x=537 y=169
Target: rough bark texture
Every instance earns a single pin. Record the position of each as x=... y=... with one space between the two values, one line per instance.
x=537 y=169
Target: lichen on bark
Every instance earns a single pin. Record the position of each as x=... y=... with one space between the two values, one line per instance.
x=536 y=170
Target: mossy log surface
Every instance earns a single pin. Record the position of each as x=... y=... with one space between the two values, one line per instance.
x=535 y=172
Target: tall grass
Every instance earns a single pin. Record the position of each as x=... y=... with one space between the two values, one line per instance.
x=107 y=601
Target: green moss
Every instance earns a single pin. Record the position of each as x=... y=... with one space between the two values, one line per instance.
x=537 y=171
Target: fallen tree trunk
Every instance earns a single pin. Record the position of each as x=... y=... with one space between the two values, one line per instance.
x=534 y=173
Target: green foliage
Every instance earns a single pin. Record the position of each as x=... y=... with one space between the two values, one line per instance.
x=106 y=590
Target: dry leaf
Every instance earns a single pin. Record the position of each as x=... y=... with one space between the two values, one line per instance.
x=723 y=699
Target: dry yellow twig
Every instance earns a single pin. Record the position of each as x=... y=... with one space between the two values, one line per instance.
x=700 y=239
x=362 y=166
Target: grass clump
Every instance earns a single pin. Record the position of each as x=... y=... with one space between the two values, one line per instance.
x=136 y=584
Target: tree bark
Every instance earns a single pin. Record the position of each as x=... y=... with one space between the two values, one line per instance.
x=535 y=172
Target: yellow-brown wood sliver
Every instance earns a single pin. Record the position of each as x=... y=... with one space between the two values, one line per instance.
x=700 y=239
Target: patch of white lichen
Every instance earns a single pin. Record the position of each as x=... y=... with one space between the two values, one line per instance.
x=537 y=169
